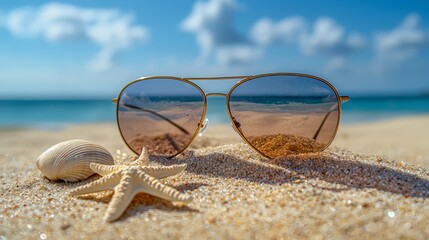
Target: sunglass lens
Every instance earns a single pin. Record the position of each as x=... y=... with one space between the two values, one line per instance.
x=160 y=114
x=283 y=114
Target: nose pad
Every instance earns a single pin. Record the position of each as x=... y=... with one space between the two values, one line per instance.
x=204 y=127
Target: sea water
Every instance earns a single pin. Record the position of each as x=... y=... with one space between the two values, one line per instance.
x=58 y=113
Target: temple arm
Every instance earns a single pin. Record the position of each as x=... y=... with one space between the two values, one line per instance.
x=154 y=113
x=343 y=99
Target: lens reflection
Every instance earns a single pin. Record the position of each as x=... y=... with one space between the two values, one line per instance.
x=160 y=114
x=281 y=115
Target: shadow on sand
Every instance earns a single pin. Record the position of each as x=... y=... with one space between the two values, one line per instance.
x=142 y=202
x=348 y=173
x=337 y=170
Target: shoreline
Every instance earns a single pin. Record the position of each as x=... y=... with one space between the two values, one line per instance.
x=346 y=120
x=399 y=139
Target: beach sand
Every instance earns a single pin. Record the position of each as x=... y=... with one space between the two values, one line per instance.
x=372 y=182
x=402 y=140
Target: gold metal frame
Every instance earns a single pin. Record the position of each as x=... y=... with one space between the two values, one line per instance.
x=244 y=79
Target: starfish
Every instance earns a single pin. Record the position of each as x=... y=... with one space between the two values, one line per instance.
x=143 y=163
x=127 y=181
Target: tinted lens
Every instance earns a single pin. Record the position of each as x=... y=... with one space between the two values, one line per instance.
x=160 y=114
x=281 y=115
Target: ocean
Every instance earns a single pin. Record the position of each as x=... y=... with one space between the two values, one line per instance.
x=53 y=114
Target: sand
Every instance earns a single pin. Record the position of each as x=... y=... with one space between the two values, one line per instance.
x=401 y=140
x=372 y=182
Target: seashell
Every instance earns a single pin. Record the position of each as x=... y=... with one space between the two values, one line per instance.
x=69 y=160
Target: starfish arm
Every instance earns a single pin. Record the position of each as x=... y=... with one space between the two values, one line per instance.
x=164 y=171
x=104 y=183
x=143 y=159
x=124 y=194
x=103 y=169
x=154 y=187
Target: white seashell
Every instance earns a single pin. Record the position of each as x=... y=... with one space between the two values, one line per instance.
x=69 y=160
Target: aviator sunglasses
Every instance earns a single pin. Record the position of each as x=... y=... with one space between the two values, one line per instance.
x=277 y=114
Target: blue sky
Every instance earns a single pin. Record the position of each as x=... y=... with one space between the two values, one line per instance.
x=88 y=49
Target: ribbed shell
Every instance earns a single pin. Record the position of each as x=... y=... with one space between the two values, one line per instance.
x=69 y=160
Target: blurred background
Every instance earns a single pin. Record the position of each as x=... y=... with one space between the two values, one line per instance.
x=62 y=62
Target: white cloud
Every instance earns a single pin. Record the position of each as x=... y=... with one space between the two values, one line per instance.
x=238 y=54
x=112 y=30
x=403 y=42
x=330 y=39
x=288 y=30
x=326 y=37
x=212 y=22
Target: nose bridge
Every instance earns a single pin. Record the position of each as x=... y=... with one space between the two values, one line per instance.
x=216 y=94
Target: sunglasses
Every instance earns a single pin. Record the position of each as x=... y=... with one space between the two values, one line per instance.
x=277 y=114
